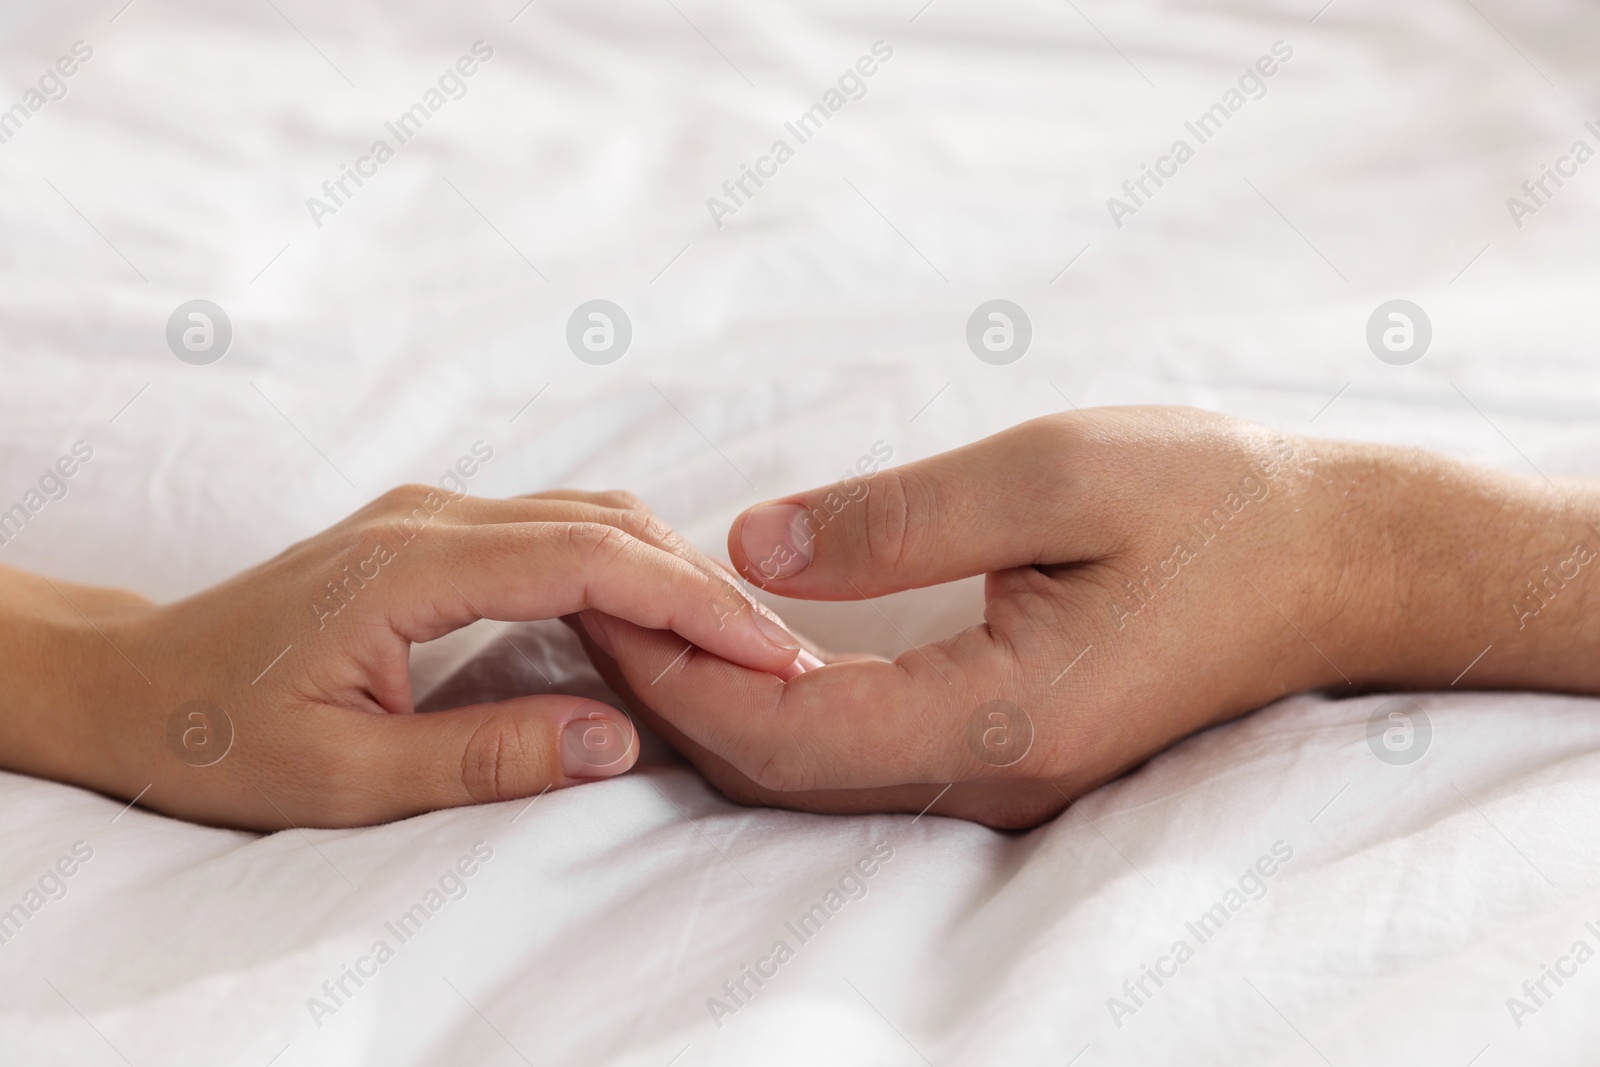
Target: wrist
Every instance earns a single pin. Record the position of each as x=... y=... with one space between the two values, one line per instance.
x=1460 y=575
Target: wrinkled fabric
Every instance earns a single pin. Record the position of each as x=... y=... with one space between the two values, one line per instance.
x=379 y=342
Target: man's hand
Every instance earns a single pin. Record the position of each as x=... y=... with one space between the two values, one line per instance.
x=1150 y=572
x=283 y=696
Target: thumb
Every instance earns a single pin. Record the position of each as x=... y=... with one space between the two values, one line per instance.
x=1010 y=500
x=488 y=752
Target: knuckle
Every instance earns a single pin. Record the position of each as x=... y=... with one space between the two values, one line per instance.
x=498 y=757
x=784 y=770
x=656 y=529
x=1064 y=443
x=409 y=509
x=646 y=526
x=1063 y=427
x=1077 y=456
x=403 y=498
x=778 y=762
x=887 y=516
x=620 y=499
x=597 y=543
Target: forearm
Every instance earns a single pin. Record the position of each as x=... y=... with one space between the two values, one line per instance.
x=55 y=665
x=1464 y=568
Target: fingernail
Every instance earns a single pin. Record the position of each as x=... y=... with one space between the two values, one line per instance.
x=805 y=661
x=774 y=631
x=595 y=747
x=776 y=542
x=597 y=633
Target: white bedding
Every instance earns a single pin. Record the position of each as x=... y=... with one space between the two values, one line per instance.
x=827 y=314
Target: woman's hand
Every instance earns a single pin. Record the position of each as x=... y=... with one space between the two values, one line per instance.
x=283 y=696
x=1150 y=572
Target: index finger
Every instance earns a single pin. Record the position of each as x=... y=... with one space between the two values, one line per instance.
x=1018 y=498
x=515 y=572
x=935 y=715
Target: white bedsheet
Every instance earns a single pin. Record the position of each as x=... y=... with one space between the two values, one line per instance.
x=827 y=314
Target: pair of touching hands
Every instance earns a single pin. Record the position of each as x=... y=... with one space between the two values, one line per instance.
x=1149 y=572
